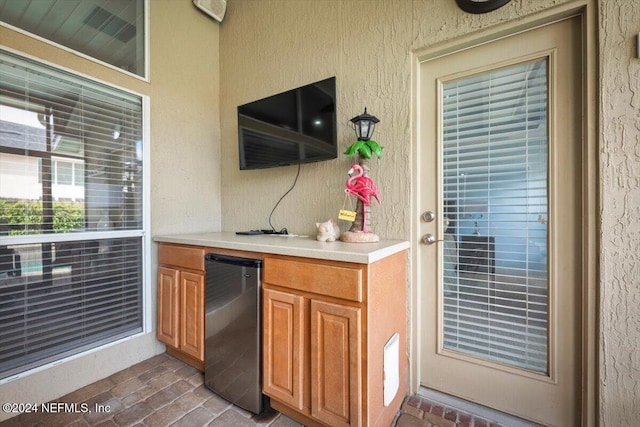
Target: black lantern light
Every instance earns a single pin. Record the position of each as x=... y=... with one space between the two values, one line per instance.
x=364 y=125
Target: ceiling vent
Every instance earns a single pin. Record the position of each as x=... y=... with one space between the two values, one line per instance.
x=108 y=23
x=213 y=8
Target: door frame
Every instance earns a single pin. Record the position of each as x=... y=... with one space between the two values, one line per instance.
x=586 y=11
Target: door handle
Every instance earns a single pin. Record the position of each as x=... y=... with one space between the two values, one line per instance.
x=430 y=239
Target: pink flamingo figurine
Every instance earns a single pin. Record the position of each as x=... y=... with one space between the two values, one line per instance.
x=363 y=188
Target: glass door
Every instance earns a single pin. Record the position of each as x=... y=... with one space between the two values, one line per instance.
x=501 y=186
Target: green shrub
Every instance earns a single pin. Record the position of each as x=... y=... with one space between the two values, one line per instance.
x=26 y=217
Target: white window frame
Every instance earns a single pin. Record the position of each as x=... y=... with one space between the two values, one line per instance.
x=145 y=234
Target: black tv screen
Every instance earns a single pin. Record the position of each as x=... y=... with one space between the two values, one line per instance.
x=297 y=126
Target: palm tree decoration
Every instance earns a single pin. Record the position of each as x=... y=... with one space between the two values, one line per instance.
x=363 y=149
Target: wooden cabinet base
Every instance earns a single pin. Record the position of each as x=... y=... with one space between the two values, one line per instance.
x=325 y=328
x=198 y=364
x=181 y=302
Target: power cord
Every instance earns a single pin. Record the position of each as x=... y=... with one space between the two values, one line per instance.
x=284 y=230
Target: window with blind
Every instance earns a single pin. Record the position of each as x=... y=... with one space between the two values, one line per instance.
x=495 y=199
x=71 y=214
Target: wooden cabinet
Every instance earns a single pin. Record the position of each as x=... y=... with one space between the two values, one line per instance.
x=324 y=328
x=322 y=361
x=192 y=314
x=336 y=381
x=283 y=346
x=181 y=302
x=168 y=306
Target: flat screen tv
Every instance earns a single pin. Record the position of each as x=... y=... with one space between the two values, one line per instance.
x=296 y=126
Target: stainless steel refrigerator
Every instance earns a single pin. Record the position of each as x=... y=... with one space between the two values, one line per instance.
x=232 y=330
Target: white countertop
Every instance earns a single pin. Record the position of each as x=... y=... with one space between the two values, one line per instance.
x=363 y=253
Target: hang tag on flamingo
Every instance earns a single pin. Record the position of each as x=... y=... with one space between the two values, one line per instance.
x=347 y=215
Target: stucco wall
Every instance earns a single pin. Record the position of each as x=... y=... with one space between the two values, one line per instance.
x=273 y=45
x=185 y=119
x=185 y=166
x=620 y=235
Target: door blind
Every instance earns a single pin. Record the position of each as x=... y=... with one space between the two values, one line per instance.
x=494 y=269
x=71 y=214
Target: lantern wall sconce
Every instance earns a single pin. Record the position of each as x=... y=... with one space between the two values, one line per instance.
x=364 y=124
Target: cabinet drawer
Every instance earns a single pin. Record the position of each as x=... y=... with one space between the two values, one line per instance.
x=181 y=256
x=326 y=279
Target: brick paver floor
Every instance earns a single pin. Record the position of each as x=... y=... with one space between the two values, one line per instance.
x=417 y=411
x=164 y=391
x=161 y=391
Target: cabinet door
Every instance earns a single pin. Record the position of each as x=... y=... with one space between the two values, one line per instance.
x=192 y=314
x=168 y=306
x=283 y=347
x=336 y=379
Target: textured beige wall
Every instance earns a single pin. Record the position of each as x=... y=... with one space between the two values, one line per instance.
x=185 y=119
x=620 y=201
x=185 y=165
x=269 y=46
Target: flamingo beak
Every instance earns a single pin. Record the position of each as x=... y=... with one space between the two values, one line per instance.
x=351 y=171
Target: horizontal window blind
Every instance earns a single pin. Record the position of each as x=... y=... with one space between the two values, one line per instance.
x=71 y=296
x=495 y=199
x=71 y=170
